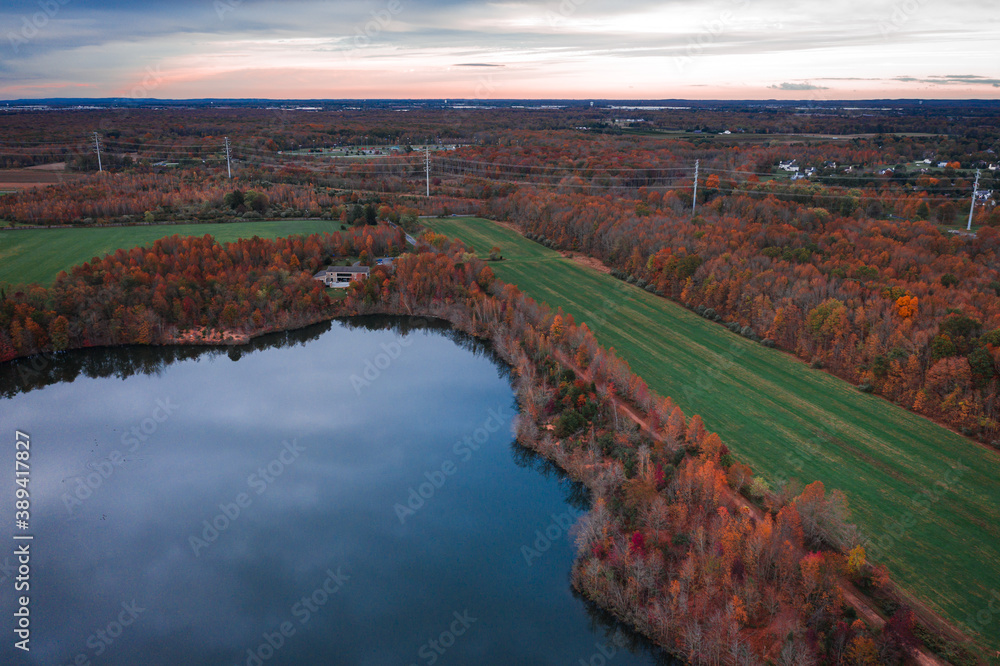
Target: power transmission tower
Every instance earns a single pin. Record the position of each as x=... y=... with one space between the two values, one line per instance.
x=229 y=165
x=97 y=149
x=972 y=206
x=427 y=168
x=694 y=199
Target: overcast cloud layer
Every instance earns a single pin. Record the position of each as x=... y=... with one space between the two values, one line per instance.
x=567 y=48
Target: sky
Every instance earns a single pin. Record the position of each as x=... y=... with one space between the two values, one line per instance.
x=573 y=49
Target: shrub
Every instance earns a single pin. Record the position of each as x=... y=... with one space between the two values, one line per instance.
x=607 y=443
x=759 y=488
x=948 y=280
x=569 y=422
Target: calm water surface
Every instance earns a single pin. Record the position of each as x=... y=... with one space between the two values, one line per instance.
x=346 y=494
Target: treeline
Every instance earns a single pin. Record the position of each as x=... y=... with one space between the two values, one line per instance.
x=184 y=195
x=501 y=150
x=183 y=290
x=199 y=132
x=897 y=307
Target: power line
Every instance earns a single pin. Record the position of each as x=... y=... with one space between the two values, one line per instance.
x=559 y=168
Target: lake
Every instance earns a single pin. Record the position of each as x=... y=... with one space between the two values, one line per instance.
x=350 y=493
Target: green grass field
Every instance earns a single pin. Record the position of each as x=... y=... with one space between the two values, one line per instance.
x=37 y=255
x=789 y=421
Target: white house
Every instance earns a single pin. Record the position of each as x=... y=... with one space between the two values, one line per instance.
x=340 y=277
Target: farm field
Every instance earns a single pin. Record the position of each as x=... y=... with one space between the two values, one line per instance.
x=37 y=255
x=12 y=180
x=927 y=499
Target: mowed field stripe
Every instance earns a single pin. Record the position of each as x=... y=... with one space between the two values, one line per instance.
x=942 y=542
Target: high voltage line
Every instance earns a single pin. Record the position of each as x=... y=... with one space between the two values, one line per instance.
x=344 y=167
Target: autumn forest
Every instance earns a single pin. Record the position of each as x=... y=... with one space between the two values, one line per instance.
x=837 y=236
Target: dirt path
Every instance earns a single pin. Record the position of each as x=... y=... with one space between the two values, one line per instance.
x=850 y=593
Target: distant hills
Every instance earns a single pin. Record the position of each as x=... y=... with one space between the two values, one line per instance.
x=530 y=104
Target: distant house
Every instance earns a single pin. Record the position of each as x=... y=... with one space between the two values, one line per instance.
x=340 y=277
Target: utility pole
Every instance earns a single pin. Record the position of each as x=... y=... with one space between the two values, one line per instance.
x=229 y=165
x=972 y=206
x=694 y=199
x=97 y=149
x=427 y=168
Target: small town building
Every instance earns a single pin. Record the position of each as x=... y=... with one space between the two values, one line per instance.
x=340 y=277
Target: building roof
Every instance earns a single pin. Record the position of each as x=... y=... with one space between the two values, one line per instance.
x=348 y=269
